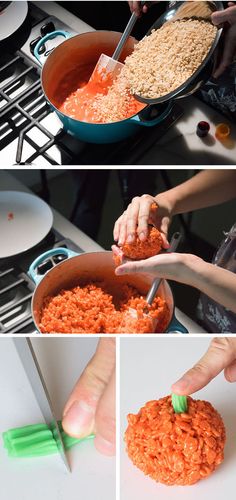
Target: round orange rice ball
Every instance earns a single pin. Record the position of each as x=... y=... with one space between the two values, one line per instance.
x=176 y=448
x=138 y=250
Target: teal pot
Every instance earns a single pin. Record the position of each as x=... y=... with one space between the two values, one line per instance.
x=84 y=51
x=96 y=266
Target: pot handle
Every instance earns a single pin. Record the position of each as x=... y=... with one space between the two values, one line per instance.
x=47 y=37
x=176 y=327
x=32 y=272
x=153 y=121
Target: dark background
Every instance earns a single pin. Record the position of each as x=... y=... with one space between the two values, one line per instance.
x=113 y=15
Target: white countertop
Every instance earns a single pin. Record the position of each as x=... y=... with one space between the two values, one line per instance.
x=148 y=369
x=93 y=475
x=181 y=145
x=61 y=224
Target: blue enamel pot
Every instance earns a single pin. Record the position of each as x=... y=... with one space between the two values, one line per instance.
x=77 y=270
x=83 y=51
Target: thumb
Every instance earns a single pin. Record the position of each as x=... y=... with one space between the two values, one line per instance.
x=79 y=412
x=105 y=421
x=132 y=267
x=219 y=355
x=222 y=16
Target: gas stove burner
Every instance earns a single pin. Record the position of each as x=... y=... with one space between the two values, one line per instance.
x=16 y=288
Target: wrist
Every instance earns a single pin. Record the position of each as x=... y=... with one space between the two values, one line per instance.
x=192 y=270
x=167 y=200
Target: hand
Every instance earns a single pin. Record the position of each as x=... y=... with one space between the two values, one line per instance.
x=172 y=266
x=91 y=405
x=137 y=8
x=229 y=51
x=139 y=214
x=221 y=355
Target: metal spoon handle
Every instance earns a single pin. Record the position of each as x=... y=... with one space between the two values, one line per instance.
x=174 y=242
x=125 y=36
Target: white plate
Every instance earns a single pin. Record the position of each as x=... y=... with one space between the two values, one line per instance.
x=12 y=18
x=25 y=220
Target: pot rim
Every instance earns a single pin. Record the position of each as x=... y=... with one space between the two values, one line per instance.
x=67 y=116
x=172 y=316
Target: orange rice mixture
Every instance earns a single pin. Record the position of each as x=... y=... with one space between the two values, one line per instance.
x=172 y=448
x=103 y=99
x=90 y=309
x=144 y=249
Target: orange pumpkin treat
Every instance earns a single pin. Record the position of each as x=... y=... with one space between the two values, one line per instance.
x=138 y=250
x=176 y=448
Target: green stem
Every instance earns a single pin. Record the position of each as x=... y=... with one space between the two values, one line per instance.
x=36 y=440
x=179 y=403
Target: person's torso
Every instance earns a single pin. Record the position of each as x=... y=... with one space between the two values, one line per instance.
x=215 y=317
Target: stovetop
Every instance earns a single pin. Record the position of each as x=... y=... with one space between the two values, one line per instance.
x=16 y=287
x=32 y=134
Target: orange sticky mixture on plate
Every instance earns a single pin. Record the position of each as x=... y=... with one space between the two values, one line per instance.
x=176 y=449
x=10 y=216
x=91 y=309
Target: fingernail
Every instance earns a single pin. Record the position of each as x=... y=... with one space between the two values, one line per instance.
x=182 y=384
x=105 y=447
x=119 y=271
x=130 y=238
x=142 y=236
x=79 y=419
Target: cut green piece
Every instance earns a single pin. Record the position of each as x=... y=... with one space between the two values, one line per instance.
x=179 y=403
x=36 y=440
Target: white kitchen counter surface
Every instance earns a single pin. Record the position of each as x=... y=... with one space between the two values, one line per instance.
x=61 y=224
x=181 y=145
x=93 y=475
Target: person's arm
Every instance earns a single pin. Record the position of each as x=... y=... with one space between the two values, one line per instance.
x=227 y=16
x=221 y=355
x=207 y=188
x=216 y=282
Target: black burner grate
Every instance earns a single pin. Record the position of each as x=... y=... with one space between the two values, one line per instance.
x=16 y=288
x=22 y=109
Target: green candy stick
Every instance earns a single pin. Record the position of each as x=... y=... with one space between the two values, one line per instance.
x=36 y=440
x=179 y=403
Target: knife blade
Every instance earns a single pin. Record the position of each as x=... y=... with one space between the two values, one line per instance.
x=32 y=369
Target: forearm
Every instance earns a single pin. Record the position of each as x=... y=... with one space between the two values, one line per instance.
x=207 y=188
x=218 y=283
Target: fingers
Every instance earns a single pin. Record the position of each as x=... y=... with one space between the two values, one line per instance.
x=230 y=372
x=79 y=412
x=165 y=265
x=123 y=227
x=132 y=267
x=226 y=15
x=143 y=217
x=134 y=219
x=137 y=8
x=229 y=51
x=220 y=354
x=105 y=427
x=164 y=228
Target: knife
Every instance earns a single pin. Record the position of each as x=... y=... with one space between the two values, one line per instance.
x=32 y=369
